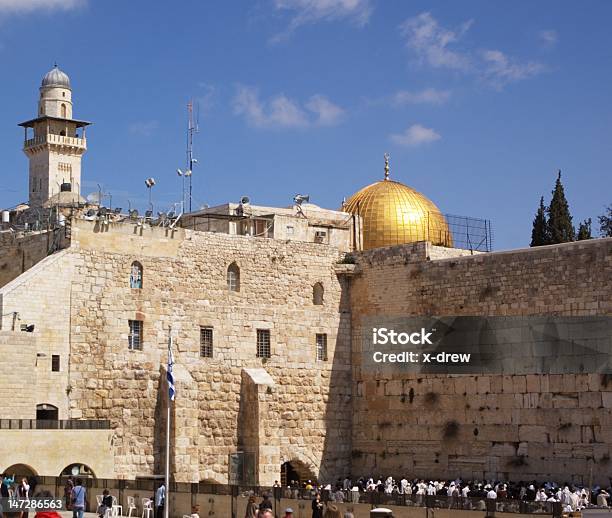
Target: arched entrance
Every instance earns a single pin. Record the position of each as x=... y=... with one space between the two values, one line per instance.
x=46 y=412
x=295 y=470
x=20 y=471
x=78 y=470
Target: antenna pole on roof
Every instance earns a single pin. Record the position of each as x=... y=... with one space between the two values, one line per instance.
x=192 y=128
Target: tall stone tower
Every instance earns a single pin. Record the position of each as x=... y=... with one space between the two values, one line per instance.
x=54 y=142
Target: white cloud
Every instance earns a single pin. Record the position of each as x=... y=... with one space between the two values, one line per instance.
x=500 y=69
x=437 y=46
x=144 y=128
x=28 y=6
x=549 y=38
x=432 y=43
x=283 y=112
x=415 y=135
x=327 y=112
x=426 y=96
x=312 y=11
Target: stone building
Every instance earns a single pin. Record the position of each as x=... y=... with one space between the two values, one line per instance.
x=266 y=317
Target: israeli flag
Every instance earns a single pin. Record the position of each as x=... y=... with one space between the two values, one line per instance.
x=170 y=376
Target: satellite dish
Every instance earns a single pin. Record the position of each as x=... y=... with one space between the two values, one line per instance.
x=94 y=197
x=301 y=198
x=245 y=200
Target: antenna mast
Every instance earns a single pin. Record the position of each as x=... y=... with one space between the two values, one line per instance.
x=192 y=128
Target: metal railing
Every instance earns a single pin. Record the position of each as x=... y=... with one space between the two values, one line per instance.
x=55 y=139
x=45 y=424
x=147 y=486
x=463 y=232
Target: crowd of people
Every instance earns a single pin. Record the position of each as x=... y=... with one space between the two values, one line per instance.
x=455 y=493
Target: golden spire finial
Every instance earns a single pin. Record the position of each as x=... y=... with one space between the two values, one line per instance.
x=386 y=166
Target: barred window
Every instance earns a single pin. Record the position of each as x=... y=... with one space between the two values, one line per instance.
x=135 y=336
x=136 y=275
x=233 y=277
x=263 y=343
x=321 y=347
x=206 y=342
x=55 y=363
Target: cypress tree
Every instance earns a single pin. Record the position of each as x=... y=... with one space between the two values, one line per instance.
x=584 y=230
x=539 y=234
x=559 y=217
x=605 y=223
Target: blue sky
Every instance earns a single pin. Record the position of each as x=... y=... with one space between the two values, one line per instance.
x=477 y=102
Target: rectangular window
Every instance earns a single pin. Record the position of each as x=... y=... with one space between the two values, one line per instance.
x=321 y=347
x=135 y=336
x=320 y=236
x=263 y=343
x=55 y=363
x=206 y=342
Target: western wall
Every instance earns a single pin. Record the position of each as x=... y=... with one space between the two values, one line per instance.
x=510 y=427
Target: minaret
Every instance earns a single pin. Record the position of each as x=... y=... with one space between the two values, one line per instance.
x=54 y=143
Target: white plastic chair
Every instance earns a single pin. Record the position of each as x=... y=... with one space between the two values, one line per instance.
x=147 y=507
x=116 y=508
x=131 y=505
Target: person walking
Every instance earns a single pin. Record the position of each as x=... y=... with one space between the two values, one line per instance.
x=266 y=503
x=251 y=509
x=78 y=499
x=160 y=501
x=23 y=492
x=68 y=493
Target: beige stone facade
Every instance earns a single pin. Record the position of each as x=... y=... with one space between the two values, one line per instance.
x=305 y=416
x=325 y=416
x=509 y=427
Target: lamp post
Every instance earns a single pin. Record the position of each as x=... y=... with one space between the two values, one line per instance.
x=150 y=182
x=182 y=175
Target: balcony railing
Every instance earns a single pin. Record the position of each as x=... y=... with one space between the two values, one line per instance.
x=57 y=140
x=44 y=424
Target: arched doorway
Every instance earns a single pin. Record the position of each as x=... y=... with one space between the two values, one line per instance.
x=20 y=471
x=295 y=470
x=78 y=470
x=46 y=412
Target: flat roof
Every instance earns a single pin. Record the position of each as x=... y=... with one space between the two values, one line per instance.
x=30 y=123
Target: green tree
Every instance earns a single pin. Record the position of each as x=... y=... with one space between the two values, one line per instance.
x=605 y=223
x=539 y=234
x=584 y=230
x=559 y=217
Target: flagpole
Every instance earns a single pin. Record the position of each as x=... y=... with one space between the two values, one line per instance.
x=167 y=480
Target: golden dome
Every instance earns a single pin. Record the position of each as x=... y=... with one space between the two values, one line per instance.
x=394 y=214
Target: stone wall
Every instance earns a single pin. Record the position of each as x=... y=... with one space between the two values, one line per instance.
x=40 y=297
x=184 y=286
x=519 y=427
x=20 y=251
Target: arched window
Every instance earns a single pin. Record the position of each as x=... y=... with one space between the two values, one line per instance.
x=317 y=294
x=233 y=277
x=63 y=111
x=136 y=275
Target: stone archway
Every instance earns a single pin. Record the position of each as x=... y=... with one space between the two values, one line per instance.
x=78 y=469
x=295 y=469
x=20 y=470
